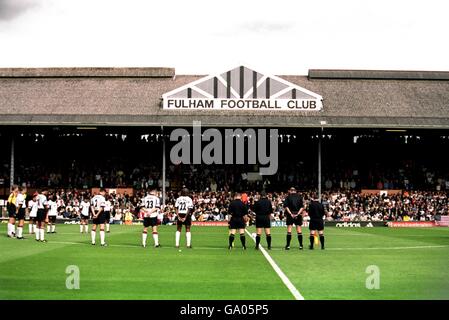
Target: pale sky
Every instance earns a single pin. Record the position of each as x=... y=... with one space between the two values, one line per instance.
x=206 y=36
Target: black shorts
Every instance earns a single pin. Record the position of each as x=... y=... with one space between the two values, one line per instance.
x=99 y=219
x=83 y=217
x=41 y=215
x=263 y=222
x=316 y=225
x=187 y=222
x=150 y=222
x=297 y=221
x=21 y=214
x=238 y=223
x=52 y=219
x=12 y=211
x=107 y=216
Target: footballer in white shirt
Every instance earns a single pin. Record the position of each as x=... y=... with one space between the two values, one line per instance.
x=98 y=217
x=32 y=206
x=84 y=214
x=150 y=207
x=107 y=212
x=52 y=214
x=20 y=211
x=184 y=206
x=41 y=218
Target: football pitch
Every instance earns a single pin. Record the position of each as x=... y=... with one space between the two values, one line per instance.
x=412 y=263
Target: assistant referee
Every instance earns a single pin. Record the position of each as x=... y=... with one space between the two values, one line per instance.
x=263 y=210
x=294 y=207
x=238 y=211
x=316 y=213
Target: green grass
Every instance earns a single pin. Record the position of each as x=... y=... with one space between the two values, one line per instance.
x=413 y=264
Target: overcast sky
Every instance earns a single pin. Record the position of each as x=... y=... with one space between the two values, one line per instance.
x=206 y=36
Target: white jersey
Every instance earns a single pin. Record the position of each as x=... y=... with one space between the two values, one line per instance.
x=20 y=200
x=85 y=208
x=41 y=201
x=98 y=202
x=33 y=208
x=53 y=208
x=107 y=205
x=184 y=204
x=152 y=202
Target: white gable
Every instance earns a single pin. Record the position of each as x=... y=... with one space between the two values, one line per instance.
x=243 y=83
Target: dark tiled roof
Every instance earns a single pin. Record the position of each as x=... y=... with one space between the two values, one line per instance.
x=378 y=74
x=124 y=99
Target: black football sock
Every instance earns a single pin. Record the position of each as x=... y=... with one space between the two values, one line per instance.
x=231 y=240
x=300 y=239
x=322 y=240
x=289 y=238
x=269 y=240
x=257 y=241
x=312 y=238
x=243 y=239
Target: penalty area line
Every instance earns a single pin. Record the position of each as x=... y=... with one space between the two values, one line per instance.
x=279 y=272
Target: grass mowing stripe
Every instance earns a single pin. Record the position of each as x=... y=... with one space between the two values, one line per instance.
x=279 y=272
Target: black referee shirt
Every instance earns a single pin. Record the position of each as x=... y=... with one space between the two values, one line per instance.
x=293 y=202
x=263 y=207
x=316 y=210
x=237 y=209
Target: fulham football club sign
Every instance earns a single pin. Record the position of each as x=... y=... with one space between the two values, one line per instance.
x=241 y=89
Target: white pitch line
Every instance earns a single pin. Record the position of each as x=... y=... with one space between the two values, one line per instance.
x=274 y=249
x=279 y=272
x=389 y=248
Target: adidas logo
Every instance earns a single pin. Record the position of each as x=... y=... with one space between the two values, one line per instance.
x=348 y=225
x=369 y=225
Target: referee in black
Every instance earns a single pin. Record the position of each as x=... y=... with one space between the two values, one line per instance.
x=294 y=206
x=238 y=211
x=263 y=210
x=316 y=213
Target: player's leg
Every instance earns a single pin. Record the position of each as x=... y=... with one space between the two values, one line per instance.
x=144 y=236
x=155 y=233
x=37 y=230
x=268 y=235
x=231 y=238
x=44 y=221
x=312 y=238
x=12 y=224
x=299 y=233
x=102 y=234
x=42 y=231
x=53 y=224
x=178 y=233
x=30 y=225
x=188 y=235
x=242 y=238
x=20 y=229
x=321 y=233
x=93 y=233
x=108 y=217
x=258 y=233
x=86 y=224
x=21 y=220
x=289 y=233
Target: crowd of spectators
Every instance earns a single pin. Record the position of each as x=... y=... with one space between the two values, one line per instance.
x=345 y=206
x=113 y=173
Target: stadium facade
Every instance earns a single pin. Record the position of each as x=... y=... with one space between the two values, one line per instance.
x=349 y=103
